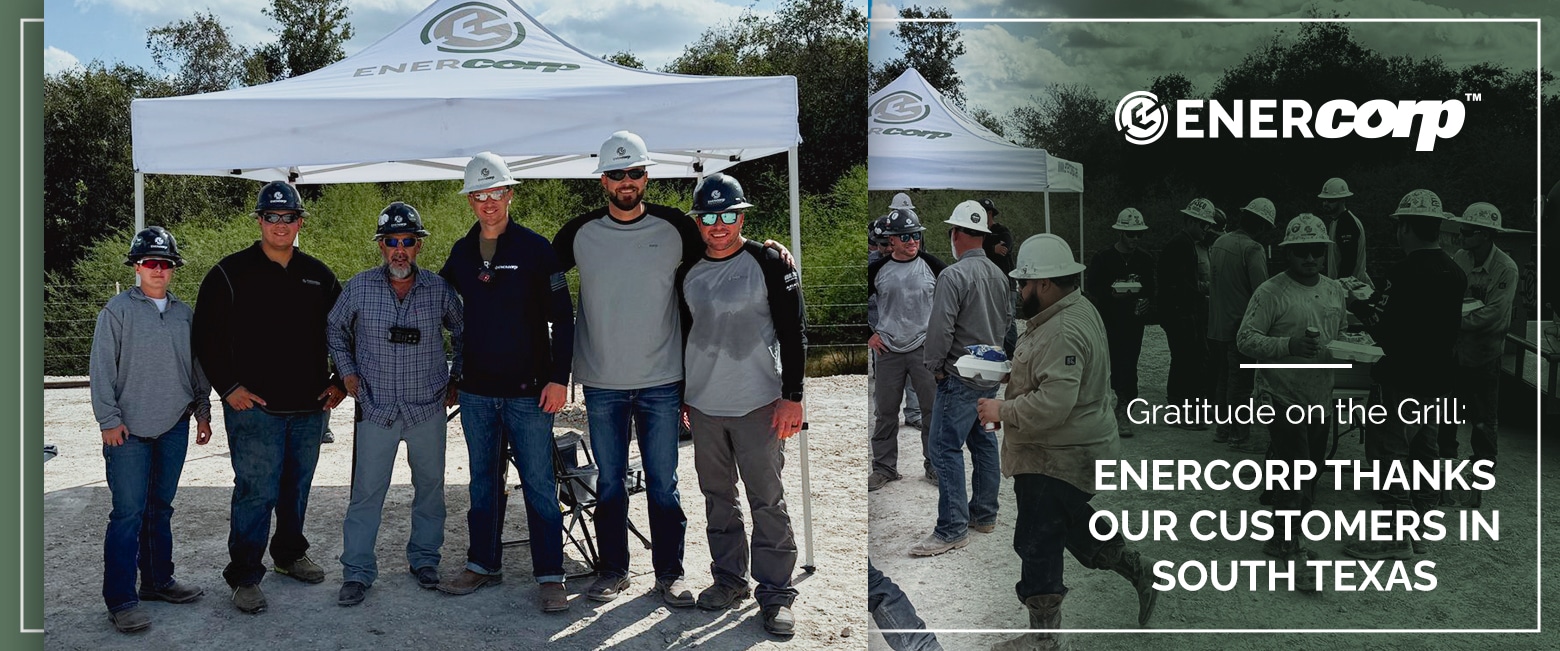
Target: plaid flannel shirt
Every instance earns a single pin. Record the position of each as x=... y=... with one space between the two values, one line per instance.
x=396 y=379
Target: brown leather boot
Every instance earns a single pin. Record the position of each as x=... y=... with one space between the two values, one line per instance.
x=1134 y=568
x=1045 y=613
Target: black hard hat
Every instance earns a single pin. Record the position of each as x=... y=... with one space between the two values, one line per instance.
x=718 y=193
x=991 y=208
x=398 y=218
x=279 y=195
x=875 y=234
x=154 y=242
x=901 y=221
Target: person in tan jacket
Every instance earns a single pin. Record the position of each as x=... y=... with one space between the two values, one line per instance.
x=1058 y=417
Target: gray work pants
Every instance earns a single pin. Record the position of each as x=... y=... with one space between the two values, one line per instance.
x=722 y=448
x=374 y=448
x=893 y=369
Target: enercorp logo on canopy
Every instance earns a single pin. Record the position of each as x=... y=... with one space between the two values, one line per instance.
x=903 y=107
x=1143 y=118
x=469 y=28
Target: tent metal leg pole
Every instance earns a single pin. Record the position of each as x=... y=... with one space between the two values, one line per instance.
x=1047 y=212
x=796 y=251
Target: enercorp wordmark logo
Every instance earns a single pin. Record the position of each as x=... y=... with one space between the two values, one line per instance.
x=1142 y=118
x=473 y=27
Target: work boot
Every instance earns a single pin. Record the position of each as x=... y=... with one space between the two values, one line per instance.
x=877 y=480
x=1045 y=613
x=1123 y=424
x=1131 y=566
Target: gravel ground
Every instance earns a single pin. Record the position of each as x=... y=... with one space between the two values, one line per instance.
x=830 y=610
x=1482 y=585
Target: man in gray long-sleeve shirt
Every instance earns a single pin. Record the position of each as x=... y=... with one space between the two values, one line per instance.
x=145 y=385
x=902 y=281
x=971 y=305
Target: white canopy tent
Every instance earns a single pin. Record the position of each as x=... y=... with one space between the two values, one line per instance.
x=461 y=78
x=916 y=139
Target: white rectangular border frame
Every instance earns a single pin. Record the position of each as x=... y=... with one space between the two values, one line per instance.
x=1538 y=539
x=21 y=326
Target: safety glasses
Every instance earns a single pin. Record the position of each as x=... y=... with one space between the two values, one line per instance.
x=617 y=175
x=1302 y=251
x=280 y=217
x=729 y=217
x=1471 y=232
x=400 y=242
x=908 y=237
x=156 y=263
x=491 y=195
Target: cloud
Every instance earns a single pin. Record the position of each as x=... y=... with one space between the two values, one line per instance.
x=56 y=60
x=654 y=30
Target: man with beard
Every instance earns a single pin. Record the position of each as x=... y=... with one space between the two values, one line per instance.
x=1239 y=266
x=274 y=397
x=903 y=282
x=1057 y=424
x=384 y=337
x=1289 y=319
x=1492 y=280
x=1346 y=255
x=519 y=342
x=1415 y=318
x=629 y=356
x=1122 y=310
x=1184 y=276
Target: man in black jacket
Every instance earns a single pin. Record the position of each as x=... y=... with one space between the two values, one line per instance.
x=1123 y=305
x=518 y=344
x=1184 y=277
x=1415 y=318
x=274 y=397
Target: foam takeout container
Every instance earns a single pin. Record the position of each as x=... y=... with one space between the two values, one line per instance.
x=976 y=368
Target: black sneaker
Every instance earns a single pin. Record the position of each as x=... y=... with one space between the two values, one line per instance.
x=607 y=587
x=352 y=593
x=427 y=577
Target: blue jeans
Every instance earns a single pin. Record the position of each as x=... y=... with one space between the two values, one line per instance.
x=655 y=412
x=143 y=474
x=490 y=423
x=954 y=425
x=891 y=610
x=273 y=467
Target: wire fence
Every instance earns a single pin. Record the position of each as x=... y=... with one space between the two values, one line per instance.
x=836 y=320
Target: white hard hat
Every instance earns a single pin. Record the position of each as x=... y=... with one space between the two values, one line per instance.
x=1481 y=214
x=1421 y=203
x=1306 y=229
x=1045 y=256
x=486 y=171
x=969 y=214
x=901 y=200
x=1202 y=209
x=1129 y=219
x=622 y=151
x=1335 y=188
x=1262 y=208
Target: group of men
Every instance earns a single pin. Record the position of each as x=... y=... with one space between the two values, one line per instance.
x=1075 y=367
x=1056 y=416
x=716 y=332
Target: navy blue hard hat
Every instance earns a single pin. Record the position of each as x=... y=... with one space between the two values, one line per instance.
x=279 y=195
x=718 y=193
x=398 y=218
x=154 y=242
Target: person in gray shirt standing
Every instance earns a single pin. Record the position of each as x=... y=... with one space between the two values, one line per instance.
x=145 y=385
x=903 y=282
x=970 y=306
x=744 y=363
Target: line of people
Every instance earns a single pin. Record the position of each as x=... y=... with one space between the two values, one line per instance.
x=716 y=337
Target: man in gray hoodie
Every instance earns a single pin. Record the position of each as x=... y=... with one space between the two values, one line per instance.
x=145 y=386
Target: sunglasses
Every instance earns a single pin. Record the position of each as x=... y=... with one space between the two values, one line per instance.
x=729 y=217
x=156 y=263
x=400 y=242
x=1309 y=251
x=1471 y=232
x=908 y=237
x=491 y=195
x=283 y=217
x=1131 y=235
x=617 y=175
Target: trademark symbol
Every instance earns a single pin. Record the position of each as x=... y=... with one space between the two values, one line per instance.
x=1473 y=97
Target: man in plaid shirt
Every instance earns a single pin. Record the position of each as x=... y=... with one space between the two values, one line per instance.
x=384 y=336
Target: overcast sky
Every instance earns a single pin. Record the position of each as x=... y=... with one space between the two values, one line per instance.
x=115 y=30
x=1007 y=63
